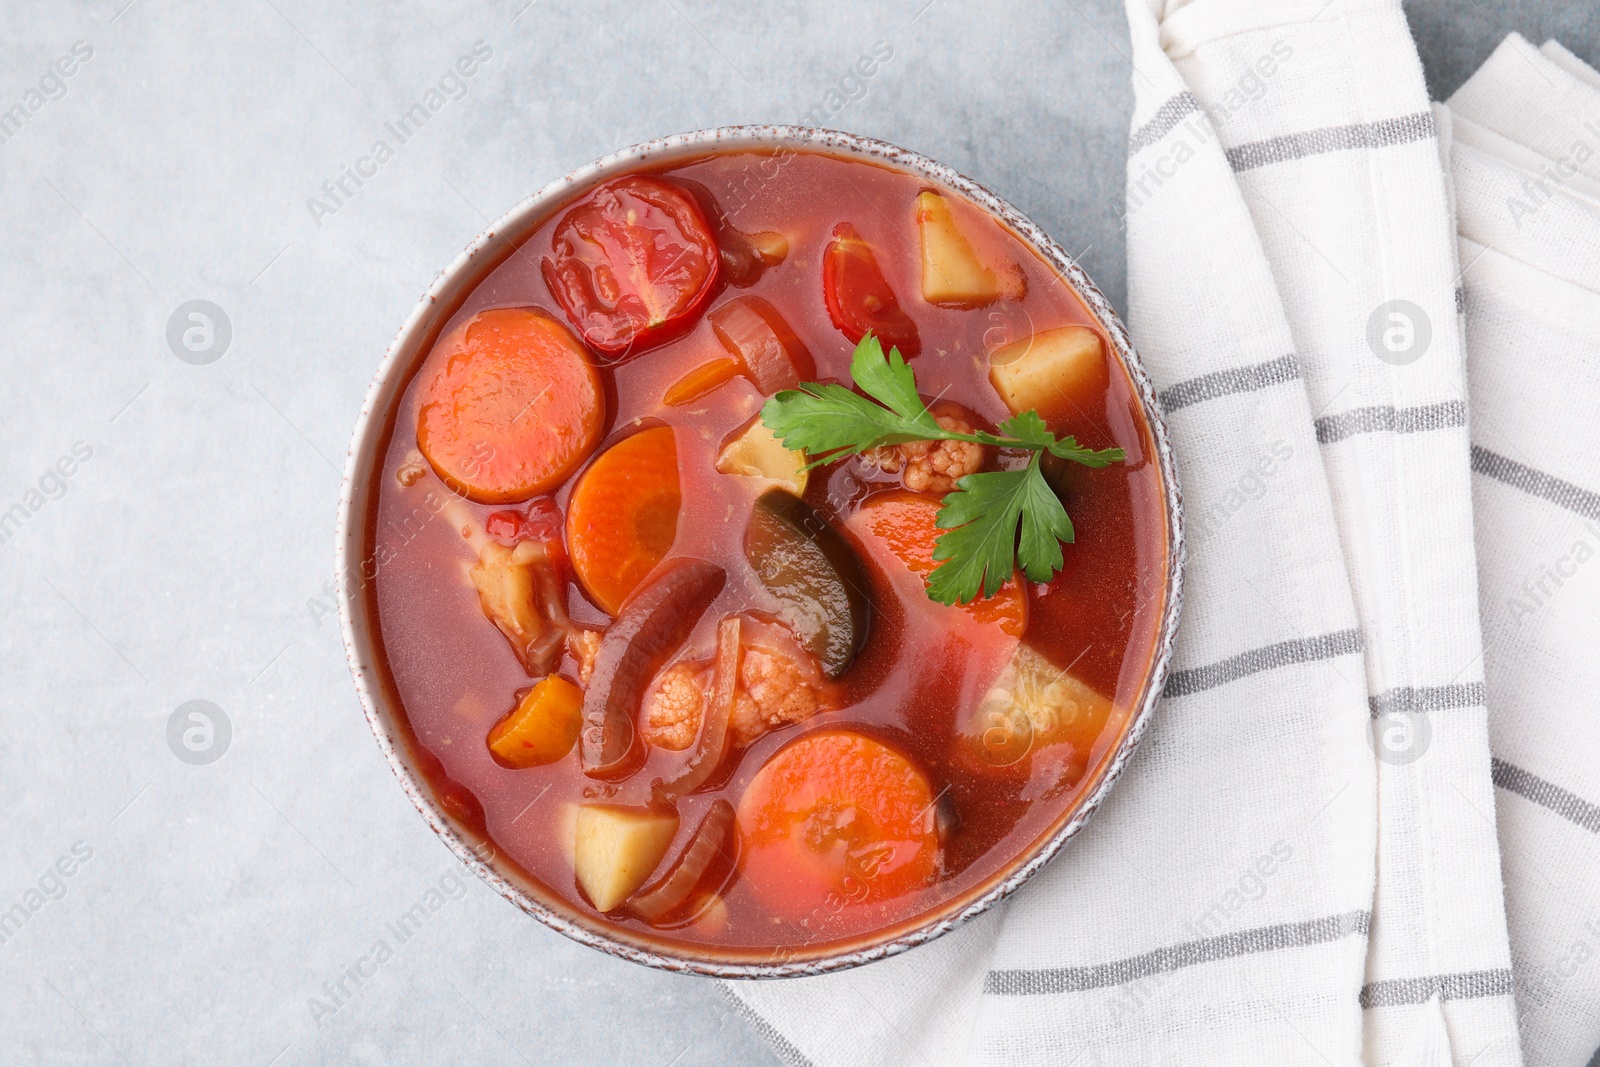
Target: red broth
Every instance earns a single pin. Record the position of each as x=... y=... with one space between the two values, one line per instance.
x=914 y=683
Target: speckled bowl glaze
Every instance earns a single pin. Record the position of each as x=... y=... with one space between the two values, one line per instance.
x=355 y=559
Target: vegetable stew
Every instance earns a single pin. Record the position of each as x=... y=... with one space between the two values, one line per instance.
x=767 y=553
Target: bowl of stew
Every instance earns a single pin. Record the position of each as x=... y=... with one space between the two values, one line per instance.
x=760 y=552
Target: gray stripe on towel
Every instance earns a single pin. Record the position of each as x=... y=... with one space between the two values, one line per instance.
x=1427 y=698
x=1530 y=786
x=1444 y=415
x=1166 y=118
x=1034 y=982
x=1464 y=986
x=1282 y=654
x=780 y=1044
x=1224 y=382
x=1536 y=483
x=1380 y=134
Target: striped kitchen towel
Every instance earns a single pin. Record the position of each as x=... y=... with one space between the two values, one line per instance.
x=1524 y=144
x=1322 y=115
x=1303 y=864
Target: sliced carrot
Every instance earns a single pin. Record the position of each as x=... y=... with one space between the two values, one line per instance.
x=623 y=515
x=701 y=380
x=833 y=820
x=905 y=526
x=514 y=406
x=542 y=728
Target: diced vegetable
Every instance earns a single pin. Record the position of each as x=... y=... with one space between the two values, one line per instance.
x=904 y=527
x=513 y=408
x=616 y=848
x=654 y=622
x=814 y=573
x=836 y=816
x=713 y=740
x=520 y=591
x=952 y=275
x=701 y=380
x=745 y=256
x=712 y=841
x=754 y=452
x=753 y=332
x=542 y=728
x=1051 y=371
x=1033 y=704
x=858 y=296
x=632 y=264
x=622 y=516
x=539 y=521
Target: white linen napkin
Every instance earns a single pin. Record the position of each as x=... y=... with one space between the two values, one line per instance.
x=1525 y=155
x=1302 y=865
x=1338 y=163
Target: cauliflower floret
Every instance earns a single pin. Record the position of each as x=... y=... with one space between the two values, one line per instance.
x=675 y=706
x=774 y=691
x=583 y=646
x=779 y=684
x=931 y=466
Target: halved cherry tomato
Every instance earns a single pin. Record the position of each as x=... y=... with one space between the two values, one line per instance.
x=858 y=296
x=632 y=263
x=513 y=408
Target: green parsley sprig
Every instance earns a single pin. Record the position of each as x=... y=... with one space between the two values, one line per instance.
x=994 y=521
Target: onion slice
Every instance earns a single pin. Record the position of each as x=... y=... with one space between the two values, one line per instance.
x=713 y=744
x=711 y=839
x=656 y=619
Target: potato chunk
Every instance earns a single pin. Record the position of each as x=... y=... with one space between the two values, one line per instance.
x=542 y=728
x=616 y=848
x=952 y=274
x=1034 y=704
x=754 y=452
x=1047 y=371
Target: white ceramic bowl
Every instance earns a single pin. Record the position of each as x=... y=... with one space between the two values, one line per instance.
x=411 y=346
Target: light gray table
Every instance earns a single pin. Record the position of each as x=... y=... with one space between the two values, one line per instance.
x=175 y=534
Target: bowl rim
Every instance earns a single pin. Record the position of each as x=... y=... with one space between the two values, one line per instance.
x=387 y=385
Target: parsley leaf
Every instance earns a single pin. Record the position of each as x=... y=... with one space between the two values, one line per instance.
x=980 y=545
x=994 y=522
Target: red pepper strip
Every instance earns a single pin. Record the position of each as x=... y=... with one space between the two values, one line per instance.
x=655 y=902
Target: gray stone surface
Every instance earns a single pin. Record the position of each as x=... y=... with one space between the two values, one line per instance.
x=186 y=557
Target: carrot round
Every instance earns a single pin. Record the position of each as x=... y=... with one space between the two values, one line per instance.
x=905 y=525
x=833 y=820
x=514 y=406
x=622 y=516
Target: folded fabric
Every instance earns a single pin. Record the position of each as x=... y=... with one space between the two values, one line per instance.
x=1525 y=156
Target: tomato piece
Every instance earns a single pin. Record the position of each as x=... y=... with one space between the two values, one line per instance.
x=858 y=296
x=540 y=521
x=836 y=819
x=632 y=263
x=514 y=406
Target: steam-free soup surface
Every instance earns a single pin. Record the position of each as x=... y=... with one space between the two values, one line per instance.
x=906 y=689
